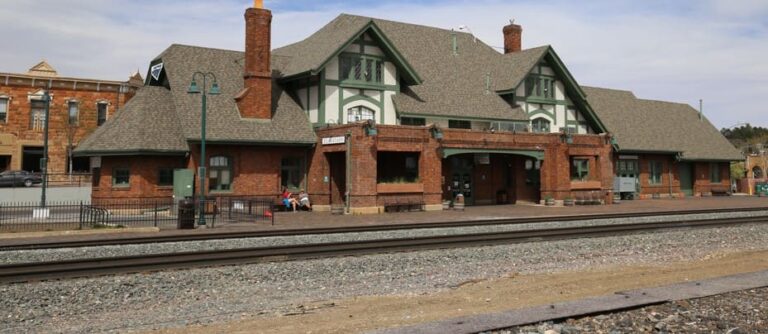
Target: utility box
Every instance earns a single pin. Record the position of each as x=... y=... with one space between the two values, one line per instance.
x=625 y=186
x=761 y=189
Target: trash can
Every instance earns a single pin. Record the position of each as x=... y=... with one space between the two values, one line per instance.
x=186 y=215
x=501 y=197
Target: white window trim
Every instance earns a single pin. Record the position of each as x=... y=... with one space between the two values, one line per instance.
x=106 y=111
x=7 y=107
x=77 y=119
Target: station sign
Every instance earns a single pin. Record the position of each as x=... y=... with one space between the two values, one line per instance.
x=334 y=140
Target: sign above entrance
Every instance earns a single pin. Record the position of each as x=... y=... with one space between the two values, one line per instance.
x=628 y=157
x=334 y=140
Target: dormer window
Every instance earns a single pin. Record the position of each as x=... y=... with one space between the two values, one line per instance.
x=363 y=69
x=540 y=87
x=360 y=113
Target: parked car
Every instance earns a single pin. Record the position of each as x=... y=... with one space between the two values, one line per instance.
x=12 y=178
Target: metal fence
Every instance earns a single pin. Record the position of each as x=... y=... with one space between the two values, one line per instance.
x=58 y=180
x=248 y=208
x=117 y=213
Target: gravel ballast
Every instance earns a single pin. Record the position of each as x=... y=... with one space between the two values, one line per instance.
x=176 y=298
x=739 y=312
x=24 y=256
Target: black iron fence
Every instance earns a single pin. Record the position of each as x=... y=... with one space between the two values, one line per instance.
x=248 y=208
x=114 y=213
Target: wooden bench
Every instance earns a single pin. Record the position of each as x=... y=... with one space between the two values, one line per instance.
x=404 y=205
x=720 y=191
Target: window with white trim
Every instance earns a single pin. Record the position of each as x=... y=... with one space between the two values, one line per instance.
x=540 y=125
x=360 y=113
x=37 y=114
x=101 y=113
x=73 y=109
x=220 y=174
x=4 y=102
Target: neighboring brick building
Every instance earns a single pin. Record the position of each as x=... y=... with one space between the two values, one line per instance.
x=366 y=112
x=78 y=106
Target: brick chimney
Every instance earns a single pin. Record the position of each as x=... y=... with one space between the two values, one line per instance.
x=255 y=100
x=513 y=38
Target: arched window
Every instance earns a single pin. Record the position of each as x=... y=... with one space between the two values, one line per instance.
x=540 y=125
x=757 y=172
x=360 y=113
x=220 y=174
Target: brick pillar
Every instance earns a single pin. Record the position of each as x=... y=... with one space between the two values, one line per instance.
x=255 y=101
x=513 y=38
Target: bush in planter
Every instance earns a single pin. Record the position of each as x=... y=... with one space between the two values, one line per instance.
x=568 y=201
x=549 y=200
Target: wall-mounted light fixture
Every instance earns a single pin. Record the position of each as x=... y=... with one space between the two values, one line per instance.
x=370 y=128
x=436 y=132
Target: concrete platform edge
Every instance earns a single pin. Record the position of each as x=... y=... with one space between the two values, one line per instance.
x=22 y=235
x=618 y=301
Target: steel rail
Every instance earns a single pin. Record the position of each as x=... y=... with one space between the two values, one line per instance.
x=38 y=271
x=357 y=229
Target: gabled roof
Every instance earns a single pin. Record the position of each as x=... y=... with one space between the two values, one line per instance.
x=451 y=85
x=312 y=54
x=43 y=69
x=179 y=112
x=657 y=126
x=147 y=124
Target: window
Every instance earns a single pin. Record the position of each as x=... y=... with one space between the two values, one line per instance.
x=412 y=121
x=220 y=174
x=757 y=173
x=397 y=167
x=714 y=172
x=579 y=169
x=360 y=69
x=532 y=172
x=165 y=177
x=360 y=113
x=654 y=172
x=540 y=125
x=292 y=173
x=121 y=177
x=74 y=112
x=3 y=109
x=540 y=86
x=101 y=113
x=37 y=115
x=457 y=124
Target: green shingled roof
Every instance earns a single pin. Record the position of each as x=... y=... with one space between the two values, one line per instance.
x=657 y=126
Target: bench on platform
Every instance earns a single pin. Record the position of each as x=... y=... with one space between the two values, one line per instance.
x=720 y=191
x=404 y=205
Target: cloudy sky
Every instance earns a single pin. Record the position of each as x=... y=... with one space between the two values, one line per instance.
x=681 y=51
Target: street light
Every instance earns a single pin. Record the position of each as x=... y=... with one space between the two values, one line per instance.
x=194 y=89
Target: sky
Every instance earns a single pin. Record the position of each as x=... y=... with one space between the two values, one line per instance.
x=680 y=51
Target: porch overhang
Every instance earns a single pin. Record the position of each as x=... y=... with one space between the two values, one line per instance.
x=536 y=154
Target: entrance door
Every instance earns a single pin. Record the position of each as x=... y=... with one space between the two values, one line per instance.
x=338 y=178
x=461 y=178
x=31 y=156
x=183 y=183
x=686 y=178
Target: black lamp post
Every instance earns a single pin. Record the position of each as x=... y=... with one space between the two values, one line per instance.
x=193 y=89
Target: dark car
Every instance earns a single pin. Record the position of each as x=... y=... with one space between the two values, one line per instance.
x=14 y=178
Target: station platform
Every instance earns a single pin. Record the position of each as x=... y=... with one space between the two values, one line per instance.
x=305 y=220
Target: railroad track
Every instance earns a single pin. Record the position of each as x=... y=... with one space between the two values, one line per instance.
x=355 y=229
x=131 y=264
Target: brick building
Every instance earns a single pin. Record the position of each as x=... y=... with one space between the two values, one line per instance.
x=78 y=106
x=366 y=112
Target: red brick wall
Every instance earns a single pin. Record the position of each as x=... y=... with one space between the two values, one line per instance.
x=513 y=35
x=256 y=99
x=144 y=172
x=700 y=175
x=18 y=117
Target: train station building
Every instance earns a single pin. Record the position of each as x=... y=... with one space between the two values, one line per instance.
x=365 y=112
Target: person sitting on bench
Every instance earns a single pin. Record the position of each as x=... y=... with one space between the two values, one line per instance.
x=304 y=200
x=288 y=200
